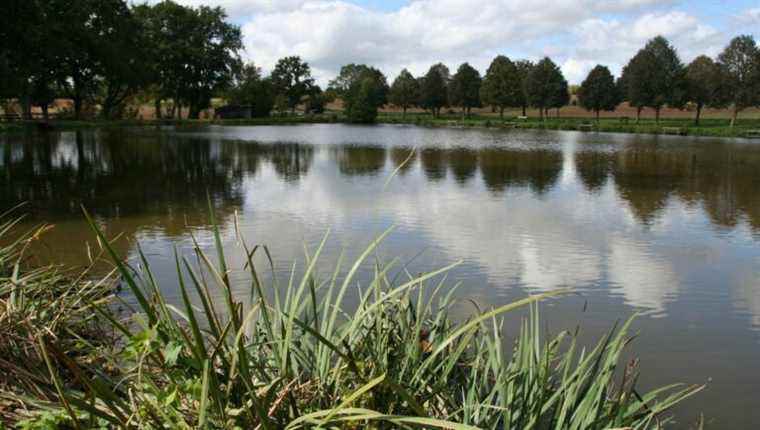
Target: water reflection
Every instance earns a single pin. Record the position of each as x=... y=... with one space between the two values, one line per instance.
x=666 y=226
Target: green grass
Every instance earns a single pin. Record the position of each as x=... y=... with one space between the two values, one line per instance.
x=291 y=356
x=707 y=127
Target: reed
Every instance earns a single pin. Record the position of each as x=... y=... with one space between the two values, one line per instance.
x=291 y=356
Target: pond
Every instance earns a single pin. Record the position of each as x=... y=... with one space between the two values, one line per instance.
x=667 y=227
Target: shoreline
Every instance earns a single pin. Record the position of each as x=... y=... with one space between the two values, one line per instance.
x=746 y=128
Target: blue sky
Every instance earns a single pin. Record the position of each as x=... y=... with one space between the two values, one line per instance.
x=396 y=34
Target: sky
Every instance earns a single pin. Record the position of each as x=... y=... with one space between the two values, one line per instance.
x=414 y=34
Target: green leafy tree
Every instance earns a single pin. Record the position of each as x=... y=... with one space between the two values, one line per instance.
x=250 y=88
x=195 y=53
x=361 y=106
x=740 y=72
x=292 y=78
x=598 y=91
x=562 y=96
x=704 y=84
x=655 y=77
x=465 y=88
x=502 y=86
x=546 y=86
x=434 y=89
x=405 y=91
x=524 y=69
x=352 y=73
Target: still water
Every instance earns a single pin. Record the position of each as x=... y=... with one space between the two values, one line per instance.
x=668 y=227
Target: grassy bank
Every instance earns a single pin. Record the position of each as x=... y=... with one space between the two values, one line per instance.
x=681 y=126
x=290 y=356
x=709 y=127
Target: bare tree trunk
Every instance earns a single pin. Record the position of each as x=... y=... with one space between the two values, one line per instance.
x=541 y=113
x=45 y=114
x=638 y=114
x=734 y=115
x=597 y=116
x=699 y=112
x=157 y=106
x=657 y=115
x=403 y=115
x=501 y=112
x=523 y=109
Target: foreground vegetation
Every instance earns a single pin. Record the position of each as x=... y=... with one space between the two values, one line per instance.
x=290 y=355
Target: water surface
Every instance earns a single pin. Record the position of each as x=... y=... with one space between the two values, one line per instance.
x=665 y=226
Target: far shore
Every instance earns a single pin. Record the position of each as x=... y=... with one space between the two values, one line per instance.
x=711 y=127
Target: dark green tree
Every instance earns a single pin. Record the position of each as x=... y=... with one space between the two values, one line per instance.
x=195 y=53
x=434 y=89
x=655 y=77
x=250 y=88
x=465 y=88
x=546 y=85
x=361 y=105
x=704 y=84
x=740 y=73
x=502 y=85
x=405 y=91
x=598 y=91
x=292 y=78
x=524 y=69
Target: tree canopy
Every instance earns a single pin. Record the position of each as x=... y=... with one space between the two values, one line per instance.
x=655 y=77
x=405 y=91
x=740 y=72
x=502 y=86
x=292 y=78
x=434 y=89
x=250 y=88
x=547 y=87
x=598 y=91
x=704 y=84
x=465 y=88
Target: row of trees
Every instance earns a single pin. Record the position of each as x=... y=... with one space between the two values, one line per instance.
x=104 y=52
x=107 y=53
x=655 y=77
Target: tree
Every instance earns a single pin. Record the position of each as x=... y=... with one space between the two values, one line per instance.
x=598 y=91
x=502 y=86
x=655 y=77
x=561 y=97
x=352 y=73
x=740 y=72
x=251 y=89
x=434 y=89
x=546 y=86
x=704 y=83
x=524 y=69
x=292 y=78
x=465 y=88
x=195 y=53
x=361 y=106
x=405 y=91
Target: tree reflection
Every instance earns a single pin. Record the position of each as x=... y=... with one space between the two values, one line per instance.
x=593 y=169
x=463 y=163
x=722 y=180
x=360 y=160
x=434 y=163
x=291 y=161
x=502 y=168
x=403 y=158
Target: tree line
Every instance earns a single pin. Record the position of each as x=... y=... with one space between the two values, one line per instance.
x=110 y=54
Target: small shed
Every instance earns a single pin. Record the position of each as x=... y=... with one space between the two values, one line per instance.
x=234 y=112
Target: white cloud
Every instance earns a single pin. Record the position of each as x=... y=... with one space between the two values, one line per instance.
x=577 y=34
